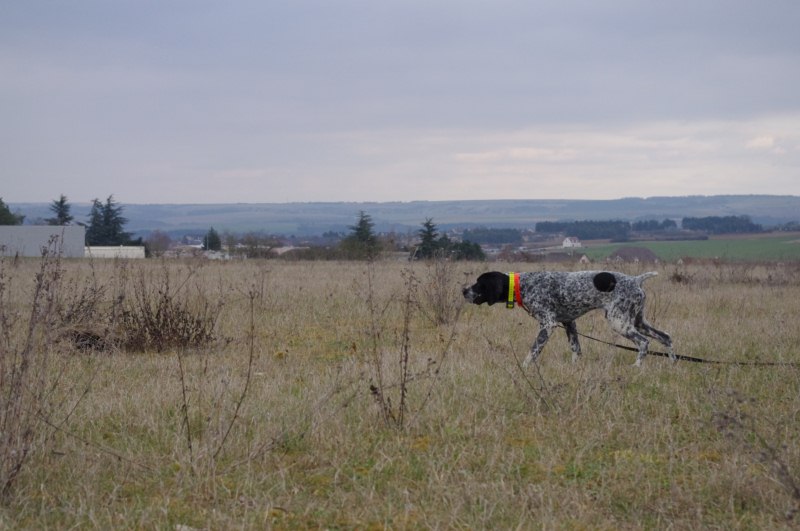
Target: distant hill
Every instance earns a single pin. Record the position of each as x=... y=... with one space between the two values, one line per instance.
x=304 y=219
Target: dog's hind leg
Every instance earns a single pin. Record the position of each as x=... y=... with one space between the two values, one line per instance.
x=624 y=326
x=641 y=342
x=662 y=337
x=572 y=335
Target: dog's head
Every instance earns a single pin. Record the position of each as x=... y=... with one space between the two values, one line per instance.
x=490 y=288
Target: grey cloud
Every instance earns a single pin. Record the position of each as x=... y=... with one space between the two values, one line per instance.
x=280 y=88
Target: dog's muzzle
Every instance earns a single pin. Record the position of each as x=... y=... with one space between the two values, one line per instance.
x=468 y=294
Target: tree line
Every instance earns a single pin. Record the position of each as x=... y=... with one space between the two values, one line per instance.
x=620 y=230
x=722 y=225
x=362 y=242
x=105 y=225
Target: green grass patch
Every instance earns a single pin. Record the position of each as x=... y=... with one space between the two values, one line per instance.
x=755 y=249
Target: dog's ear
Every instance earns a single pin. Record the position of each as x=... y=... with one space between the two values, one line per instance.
x=494 y=287
x=604 y=281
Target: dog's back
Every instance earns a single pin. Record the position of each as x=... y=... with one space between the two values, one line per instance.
x=568 y=295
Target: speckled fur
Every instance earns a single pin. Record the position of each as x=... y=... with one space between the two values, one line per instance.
x=554 y=297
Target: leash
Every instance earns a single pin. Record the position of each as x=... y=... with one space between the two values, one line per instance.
x=697 y=360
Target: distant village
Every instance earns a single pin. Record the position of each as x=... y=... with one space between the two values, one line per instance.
x=104 y=236
x=495 y=245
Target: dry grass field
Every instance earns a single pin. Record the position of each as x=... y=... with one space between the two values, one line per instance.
x=293 y=395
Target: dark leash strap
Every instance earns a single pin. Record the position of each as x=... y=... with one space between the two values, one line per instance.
x=698 y=360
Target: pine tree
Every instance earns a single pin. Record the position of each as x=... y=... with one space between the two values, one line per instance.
x=106 y=224
x=361 y=243
x=429 y=241
x=7 y=217
x=60 y=208
x=212 y=241
x=95 y=232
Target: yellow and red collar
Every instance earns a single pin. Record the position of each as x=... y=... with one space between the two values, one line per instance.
x=513 y=291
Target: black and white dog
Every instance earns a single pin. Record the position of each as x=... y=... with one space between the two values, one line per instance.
x=555 y=298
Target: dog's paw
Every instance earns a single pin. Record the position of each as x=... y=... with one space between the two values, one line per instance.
x=529 y=359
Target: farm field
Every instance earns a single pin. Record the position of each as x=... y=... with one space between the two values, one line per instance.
x=354 y=395
x=744 y=248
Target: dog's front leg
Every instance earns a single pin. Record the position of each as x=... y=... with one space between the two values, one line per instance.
x=538 y=345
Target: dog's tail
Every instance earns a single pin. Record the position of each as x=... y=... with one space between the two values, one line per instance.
x=644 y=276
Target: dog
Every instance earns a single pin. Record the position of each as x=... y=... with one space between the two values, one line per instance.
x=554 y=298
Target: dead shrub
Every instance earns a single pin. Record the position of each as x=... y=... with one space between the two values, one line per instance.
x=160 y=316
x=83 y=316
x=148 y=313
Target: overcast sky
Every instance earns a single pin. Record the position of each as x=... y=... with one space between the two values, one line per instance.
x=200 y=101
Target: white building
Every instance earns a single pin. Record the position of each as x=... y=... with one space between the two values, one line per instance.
x=118 y=251
x=29 y=240
x=571 y=242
